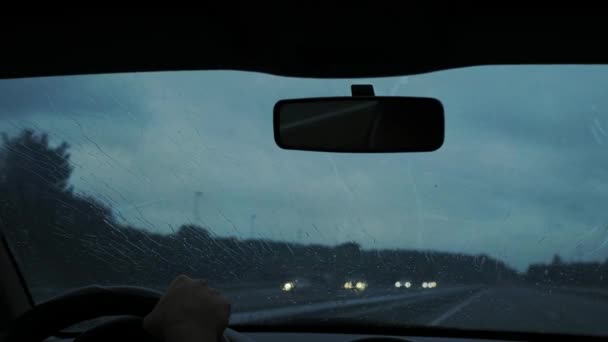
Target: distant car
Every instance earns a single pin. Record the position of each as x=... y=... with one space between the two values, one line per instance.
x=293 y=284
x=403 y=284
x=289 y=286
x=429 y=285
x=355 y=285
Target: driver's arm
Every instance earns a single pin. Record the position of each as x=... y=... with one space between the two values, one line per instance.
x=189 y=311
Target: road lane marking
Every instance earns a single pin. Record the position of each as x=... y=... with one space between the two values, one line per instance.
x=283 y=312
x=454 y=310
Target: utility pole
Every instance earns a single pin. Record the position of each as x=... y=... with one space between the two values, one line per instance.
x=195 y=211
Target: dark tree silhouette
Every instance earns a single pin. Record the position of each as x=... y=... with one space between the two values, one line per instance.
x=34 y=178
x=28 y=162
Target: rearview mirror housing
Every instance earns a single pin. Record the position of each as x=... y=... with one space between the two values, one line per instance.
x=361 y=124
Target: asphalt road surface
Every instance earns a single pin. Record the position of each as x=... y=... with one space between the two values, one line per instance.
x=521 y=308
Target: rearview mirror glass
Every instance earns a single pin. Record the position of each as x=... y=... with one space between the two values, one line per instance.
x=360 y=124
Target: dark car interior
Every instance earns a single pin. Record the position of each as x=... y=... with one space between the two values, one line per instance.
x=317 y=42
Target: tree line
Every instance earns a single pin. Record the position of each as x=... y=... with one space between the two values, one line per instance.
x=63 y=239
x=584 y=274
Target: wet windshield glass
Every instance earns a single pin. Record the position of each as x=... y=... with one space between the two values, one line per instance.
x=132 y=179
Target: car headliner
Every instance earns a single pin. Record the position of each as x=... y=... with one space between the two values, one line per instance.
x=328 y=43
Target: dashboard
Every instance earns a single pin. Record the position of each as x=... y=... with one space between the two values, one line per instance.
x=317 y=337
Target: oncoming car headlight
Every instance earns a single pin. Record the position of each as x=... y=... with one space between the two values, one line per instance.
x=403 y=284
x=355 y=285
x=288 y=286
x=361 y=285
x=429 y=285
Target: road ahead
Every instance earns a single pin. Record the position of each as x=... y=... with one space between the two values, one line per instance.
x=466 y=307
x=528 y=309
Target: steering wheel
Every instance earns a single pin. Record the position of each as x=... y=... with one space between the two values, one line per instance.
x=49 y=318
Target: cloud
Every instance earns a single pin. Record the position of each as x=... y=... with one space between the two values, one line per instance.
x=522 y=174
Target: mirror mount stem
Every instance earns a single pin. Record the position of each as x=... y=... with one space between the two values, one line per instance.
x=362 y=90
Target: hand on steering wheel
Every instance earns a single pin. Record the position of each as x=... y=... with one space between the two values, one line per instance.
x=48 y=318
x=189 y=311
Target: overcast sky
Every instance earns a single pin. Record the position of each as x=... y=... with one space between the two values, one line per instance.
x=523 y=173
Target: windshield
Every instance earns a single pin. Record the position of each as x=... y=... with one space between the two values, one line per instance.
x=132 y=179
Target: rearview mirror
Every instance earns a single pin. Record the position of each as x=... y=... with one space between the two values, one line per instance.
x=359 y=124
